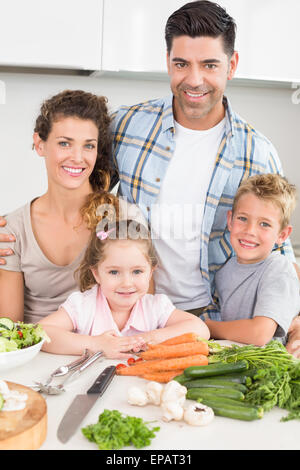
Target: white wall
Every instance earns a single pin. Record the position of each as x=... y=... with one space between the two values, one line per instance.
x=22 y=174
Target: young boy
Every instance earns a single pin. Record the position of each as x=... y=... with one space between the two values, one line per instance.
x=258 y=289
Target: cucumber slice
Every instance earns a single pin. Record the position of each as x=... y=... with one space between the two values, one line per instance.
x=7 y=323
x=7 y=345
x=1 y=401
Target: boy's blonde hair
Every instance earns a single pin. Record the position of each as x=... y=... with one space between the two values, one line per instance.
x=273 y=188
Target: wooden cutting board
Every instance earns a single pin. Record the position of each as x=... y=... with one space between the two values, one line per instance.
x=24 y=429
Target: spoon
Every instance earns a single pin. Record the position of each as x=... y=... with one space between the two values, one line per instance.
x=65 y=369
x=58 y=389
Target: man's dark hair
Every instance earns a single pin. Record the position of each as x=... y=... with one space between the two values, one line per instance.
x=201 y=18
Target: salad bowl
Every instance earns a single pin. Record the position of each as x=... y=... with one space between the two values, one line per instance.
x=10 y=360
x=19 y=342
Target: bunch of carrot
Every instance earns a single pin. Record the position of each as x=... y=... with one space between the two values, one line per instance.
x=164 y=361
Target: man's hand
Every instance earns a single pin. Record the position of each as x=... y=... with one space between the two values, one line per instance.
x=5 y=238
x=293 y=344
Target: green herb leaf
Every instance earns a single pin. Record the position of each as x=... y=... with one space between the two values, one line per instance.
x=114 y=431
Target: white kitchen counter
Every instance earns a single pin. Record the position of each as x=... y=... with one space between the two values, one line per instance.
x=223 y=433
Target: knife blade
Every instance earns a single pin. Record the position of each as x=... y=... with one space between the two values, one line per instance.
x=82 y=404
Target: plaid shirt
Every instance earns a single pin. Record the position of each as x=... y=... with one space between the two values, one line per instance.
x=143 y=144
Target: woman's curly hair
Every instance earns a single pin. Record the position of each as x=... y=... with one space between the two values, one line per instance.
x=84 y=105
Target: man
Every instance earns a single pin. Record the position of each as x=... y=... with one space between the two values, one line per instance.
x=182 y=158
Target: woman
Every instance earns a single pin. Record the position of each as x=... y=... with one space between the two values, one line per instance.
x=72 y=135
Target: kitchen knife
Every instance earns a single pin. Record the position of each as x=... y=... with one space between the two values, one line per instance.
x=82 y=404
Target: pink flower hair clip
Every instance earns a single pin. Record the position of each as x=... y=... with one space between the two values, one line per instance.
x=102 y=235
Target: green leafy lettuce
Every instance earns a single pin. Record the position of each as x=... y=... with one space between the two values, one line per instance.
x=21 y=336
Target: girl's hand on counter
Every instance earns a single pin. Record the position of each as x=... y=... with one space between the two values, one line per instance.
x=115 y=346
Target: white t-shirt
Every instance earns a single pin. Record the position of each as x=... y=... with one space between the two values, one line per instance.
x=176 y=218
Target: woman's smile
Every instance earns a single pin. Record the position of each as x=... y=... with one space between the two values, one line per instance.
x=73 y=171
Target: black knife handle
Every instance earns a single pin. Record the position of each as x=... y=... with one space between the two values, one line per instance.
x=103 y=380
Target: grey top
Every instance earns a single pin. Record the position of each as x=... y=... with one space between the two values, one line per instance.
x=269 y=288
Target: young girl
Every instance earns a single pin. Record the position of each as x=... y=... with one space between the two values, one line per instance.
x=113 y=312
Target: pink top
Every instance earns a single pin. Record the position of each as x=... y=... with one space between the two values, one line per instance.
x=91 y=315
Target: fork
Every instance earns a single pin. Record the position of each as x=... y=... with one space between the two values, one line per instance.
x=57 y=389
x=65 y=369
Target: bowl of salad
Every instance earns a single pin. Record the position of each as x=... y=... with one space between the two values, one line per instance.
x=19 y=342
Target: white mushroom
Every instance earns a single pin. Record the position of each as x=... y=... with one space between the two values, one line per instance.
x=172 y=410
x=198 y=414
x=154 y=392
x=137 y=396
x=174 y=392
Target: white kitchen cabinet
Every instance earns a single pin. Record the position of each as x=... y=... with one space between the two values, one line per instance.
x=57 y=33
x=133 y=34
x=268 y=36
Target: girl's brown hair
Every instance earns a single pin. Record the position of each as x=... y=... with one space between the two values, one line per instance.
x=102 y=213
x=78 y=103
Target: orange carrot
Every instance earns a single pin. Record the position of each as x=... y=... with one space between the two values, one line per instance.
x=142 y=368
x=184 y=338
x=177 y=350
x=162 y=377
